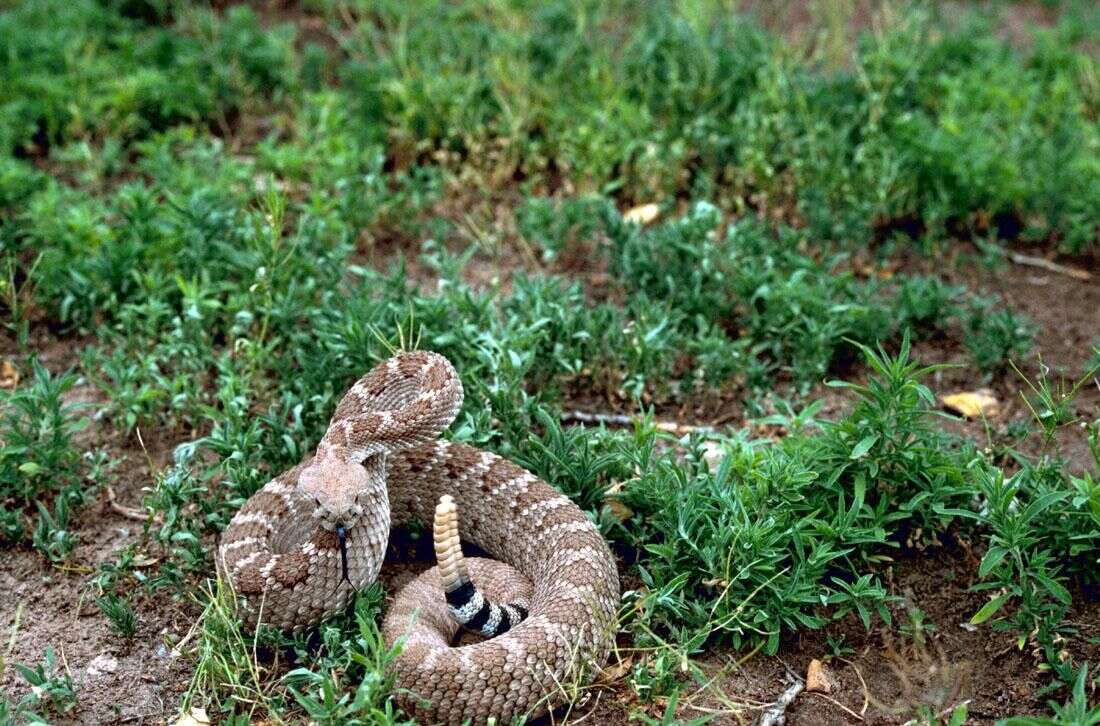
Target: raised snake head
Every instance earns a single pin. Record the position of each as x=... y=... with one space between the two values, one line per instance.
x=342 y=490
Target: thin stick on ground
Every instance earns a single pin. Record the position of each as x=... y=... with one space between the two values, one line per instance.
x=129 y=512
x=1045 y=264
x=618 y=419
x=13 y=638
x=840 y=705
x=776 y=714
x=863 y=685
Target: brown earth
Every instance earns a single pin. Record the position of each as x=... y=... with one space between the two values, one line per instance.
x=118 y=680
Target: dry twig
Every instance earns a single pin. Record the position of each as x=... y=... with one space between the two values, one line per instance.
x=1043 y=263
x=129 y=512
x=840 y=705
x=618 y=419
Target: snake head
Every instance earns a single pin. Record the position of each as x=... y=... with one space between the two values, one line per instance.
x=339 y=489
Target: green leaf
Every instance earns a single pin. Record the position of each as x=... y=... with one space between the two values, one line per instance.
x=988 y=610
x=958 y=716
x=992 y=558
x=772 y=646
x=29 y=468
x=1055 y=588
x=1041 y=503
x=951 y=512
x=864 y=446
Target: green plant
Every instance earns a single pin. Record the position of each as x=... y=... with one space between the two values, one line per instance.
x=1094 y=362
x=926 y=304
x=329 y=696
x=17 y=296
x=1077 y=711
x=228 y=674
x=1016 y=567
x=51 y=684
x=917 y=629
x=52 y=536
x=668 y=716
x=996 y=337
x=837 y=646
x=1052 y=404
x=119 y=612
x=39 y=460
x=656 y=675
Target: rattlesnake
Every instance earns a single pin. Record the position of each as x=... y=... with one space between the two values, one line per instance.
x=300 y=547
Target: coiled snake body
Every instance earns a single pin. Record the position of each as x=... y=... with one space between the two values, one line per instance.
x=300 y=547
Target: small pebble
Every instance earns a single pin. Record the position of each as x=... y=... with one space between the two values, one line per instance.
x=102 y=664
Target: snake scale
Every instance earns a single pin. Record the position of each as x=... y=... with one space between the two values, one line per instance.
x=302 y=545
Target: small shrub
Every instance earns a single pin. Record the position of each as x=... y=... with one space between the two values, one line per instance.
x=52 y=687
x=996 y=336
x=119 y=613
x=39 y=461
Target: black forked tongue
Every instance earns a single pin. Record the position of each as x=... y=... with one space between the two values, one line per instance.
x=341 y=535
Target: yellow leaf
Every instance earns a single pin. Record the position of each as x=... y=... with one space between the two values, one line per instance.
x=9 y=375
x=642 y=214
x=616 y=671
x=973 y=404
x=197 y=717
x=818 y=678
x=617 y=508
x=613 y=504
x=144 y=561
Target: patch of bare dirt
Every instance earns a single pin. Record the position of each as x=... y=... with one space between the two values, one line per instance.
x=879 y=676
x=807 y=23
x=117 y=679
x=1066 y=314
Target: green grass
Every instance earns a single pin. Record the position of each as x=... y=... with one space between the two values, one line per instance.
x=238 y=222
x=53 y=692
x=41 y=468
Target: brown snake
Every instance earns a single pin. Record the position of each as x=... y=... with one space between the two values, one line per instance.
x=303 y=544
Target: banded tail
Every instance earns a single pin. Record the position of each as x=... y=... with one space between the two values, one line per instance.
x=468 y=606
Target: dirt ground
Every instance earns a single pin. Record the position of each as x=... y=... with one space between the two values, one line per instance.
x=118 y=680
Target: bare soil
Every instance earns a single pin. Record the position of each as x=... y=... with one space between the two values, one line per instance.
x=118 y=679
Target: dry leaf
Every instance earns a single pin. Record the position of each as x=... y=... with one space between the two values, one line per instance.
x=973 y=404
x=613 y=504
x=642 y=214
x=616 y=671
x=818 y=678
x=870 y=271
x=197 y=717
x=9 y=375
x=617 y=508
